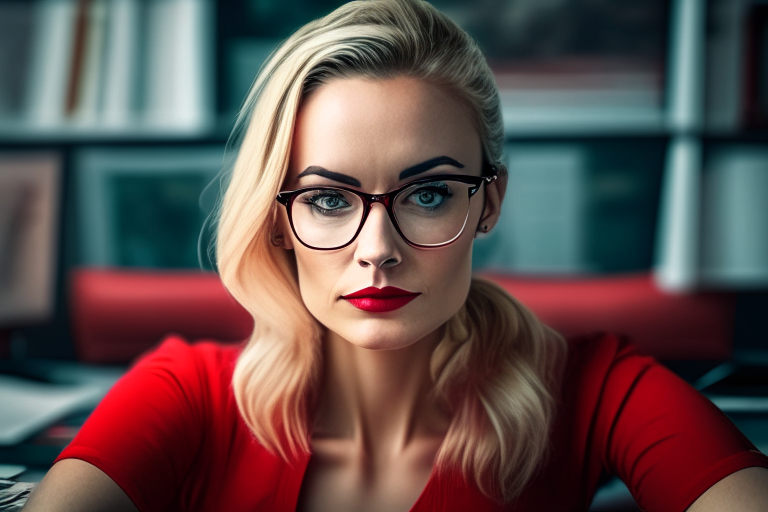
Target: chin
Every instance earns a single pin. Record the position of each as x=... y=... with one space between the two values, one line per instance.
x=377 y=344
x=380 y=334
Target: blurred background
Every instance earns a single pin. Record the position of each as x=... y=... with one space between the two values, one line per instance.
x=636 y=145
x=636 y=138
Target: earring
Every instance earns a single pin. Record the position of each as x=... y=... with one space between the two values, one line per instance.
x=485 y=229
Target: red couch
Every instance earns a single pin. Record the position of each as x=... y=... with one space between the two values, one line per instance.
x=117 y=314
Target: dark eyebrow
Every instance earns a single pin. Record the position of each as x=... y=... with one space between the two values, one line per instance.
x=407 y=173
x=325 y=173
x=429 y=164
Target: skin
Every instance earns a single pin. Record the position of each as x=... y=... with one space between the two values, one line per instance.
x=377 y=430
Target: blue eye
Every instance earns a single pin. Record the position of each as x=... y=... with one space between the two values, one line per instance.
x=430 y=196
x=326 y=202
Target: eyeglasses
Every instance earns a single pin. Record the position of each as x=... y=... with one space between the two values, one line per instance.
x=429 y=212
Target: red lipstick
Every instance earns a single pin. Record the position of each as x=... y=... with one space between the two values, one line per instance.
x=376 y=300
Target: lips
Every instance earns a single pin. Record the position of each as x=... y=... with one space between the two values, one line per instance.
x=377 y=300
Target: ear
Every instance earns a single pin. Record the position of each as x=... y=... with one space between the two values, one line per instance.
x=494 y=195
x=282 y=236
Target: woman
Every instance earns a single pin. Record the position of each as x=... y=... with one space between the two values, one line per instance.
x=380 y=375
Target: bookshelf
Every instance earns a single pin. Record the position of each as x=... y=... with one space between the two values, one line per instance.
x=703 y=112
x=81 y=79
x=122 y=67
x=648 y=114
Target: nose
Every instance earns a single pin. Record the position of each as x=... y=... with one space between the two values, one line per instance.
x=377 y=242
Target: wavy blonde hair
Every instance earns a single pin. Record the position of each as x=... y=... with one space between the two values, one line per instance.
x=497 y=367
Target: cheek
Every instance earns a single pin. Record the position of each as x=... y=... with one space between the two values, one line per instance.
x=312 y=269
x=449 y=275
x=318 y=276
x=448 y=270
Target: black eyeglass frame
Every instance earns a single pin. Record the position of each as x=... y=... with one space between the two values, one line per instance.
x=387 y=200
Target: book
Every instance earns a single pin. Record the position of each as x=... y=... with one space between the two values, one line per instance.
x=178 y=75
x=50 y=66
x=85 y=110
x=16 y=38
x=121 y=63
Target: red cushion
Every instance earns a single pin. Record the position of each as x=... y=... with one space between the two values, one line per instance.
x=118 y=314
x=667 y=326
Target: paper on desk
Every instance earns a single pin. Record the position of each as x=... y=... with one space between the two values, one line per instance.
x=27 y=406
x=13 y=495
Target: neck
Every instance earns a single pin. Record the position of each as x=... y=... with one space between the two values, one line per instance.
x=379 y=399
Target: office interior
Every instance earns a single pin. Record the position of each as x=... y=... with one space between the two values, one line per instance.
x=636 y=139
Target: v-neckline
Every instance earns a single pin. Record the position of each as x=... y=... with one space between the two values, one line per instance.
x=301 y=473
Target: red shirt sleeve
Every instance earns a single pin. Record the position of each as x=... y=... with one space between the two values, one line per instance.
x=662 y=437
x=146 y=432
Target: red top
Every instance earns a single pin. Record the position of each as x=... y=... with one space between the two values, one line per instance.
x=170 y=435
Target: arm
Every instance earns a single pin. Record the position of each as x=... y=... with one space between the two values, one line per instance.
x=668 y=443
x=74 y=485
x=745 y=490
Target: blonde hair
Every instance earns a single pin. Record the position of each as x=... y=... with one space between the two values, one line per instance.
x=497 y=367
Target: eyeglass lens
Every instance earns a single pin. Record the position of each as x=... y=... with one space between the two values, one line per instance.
x=427 y=213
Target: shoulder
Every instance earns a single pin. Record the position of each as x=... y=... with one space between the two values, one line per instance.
x=601 y=347
x=602 y=372
x=176 y=348
x=166 y=422
x=177 y=381
x=640 y=421
x=202 y=360
x=599 y=356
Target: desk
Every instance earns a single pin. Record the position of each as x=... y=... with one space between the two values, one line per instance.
x=42 y=413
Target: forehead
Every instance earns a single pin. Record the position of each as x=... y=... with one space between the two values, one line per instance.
x=373 y=129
